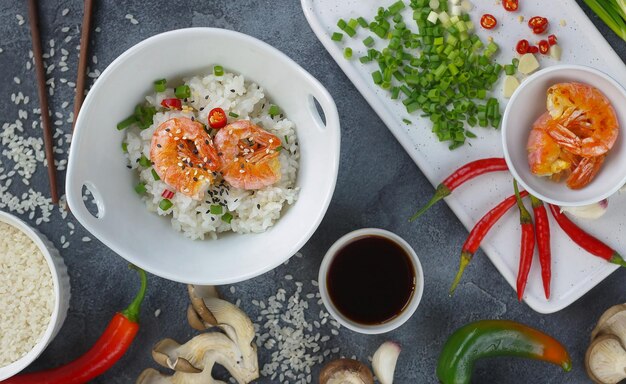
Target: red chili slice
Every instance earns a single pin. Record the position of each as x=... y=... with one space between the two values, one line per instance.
x=510 y=5
x=544 y=46
x=552 y=40
x=538 y=24
x=533 y=49
x=522 y=46
x=217 y=118
x=172 y=103
x=488 y=21
x=167 y=194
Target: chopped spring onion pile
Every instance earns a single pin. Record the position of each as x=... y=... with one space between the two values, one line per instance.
x=442 y=69
x=612 y=12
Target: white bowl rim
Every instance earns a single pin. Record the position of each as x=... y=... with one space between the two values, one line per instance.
x=333 y=117
x=395 y=322
x=18 y=365
x=555 y=68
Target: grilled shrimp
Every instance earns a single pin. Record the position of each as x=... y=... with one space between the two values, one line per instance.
x=584 y=121
x=249 y=155
x=547 y=158
x=184 y=157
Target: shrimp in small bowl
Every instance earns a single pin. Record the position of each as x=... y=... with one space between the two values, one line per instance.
x=561 y=135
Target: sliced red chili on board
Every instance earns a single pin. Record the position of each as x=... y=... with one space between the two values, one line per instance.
x=172 y=103
x=538 y=24
x=544 y=46
x=217 y=118
x=510 y=5
x=522 y=46
x=488 y=21
x=552 y=40
x=533 y=49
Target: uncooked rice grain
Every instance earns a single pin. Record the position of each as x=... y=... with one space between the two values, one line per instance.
x=26 y=294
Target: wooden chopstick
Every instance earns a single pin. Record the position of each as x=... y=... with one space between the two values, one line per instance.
x=33 y=17
x=83 y=58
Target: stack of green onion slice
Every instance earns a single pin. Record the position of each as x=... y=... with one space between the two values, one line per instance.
x=441 y=68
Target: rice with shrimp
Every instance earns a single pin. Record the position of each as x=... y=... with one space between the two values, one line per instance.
x=224 y=207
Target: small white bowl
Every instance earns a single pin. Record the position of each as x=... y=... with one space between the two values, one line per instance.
x=529 y=102
x=143 y=238
x=409 y=309
x=61 y=283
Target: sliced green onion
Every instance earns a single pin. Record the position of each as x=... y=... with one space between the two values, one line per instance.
x=362 y=22
x=233 y=114
x=368 y=41
x=341 y=24
x=274 y=110
x=349 y=31
x=165 y=204
x=124 y=147
x=144 y=161
x=227 y=217
x=218 y=70
x=184 y=91
x=407 y=121
x=155 y=175
x=347 y=53
x=127 y=122
x=160 y=85
x=279 y=148
x=140 y=188
x=509 y=69
x=337 y=36
x=286 y=139
x=216 y=209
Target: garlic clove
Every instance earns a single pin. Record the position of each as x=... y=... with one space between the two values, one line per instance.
x=591 y=211
x=384 y=361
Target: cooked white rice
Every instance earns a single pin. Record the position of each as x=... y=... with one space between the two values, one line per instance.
x=252 y=211
x=26 y=294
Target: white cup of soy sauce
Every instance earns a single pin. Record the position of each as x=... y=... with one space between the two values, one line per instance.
x=371 y=281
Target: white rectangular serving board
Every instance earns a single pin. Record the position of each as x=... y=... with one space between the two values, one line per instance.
x=574 y=272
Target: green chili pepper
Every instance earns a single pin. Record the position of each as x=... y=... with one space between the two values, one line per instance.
x=491 y=338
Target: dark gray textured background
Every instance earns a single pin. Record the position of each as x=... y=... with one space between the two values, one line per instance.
x=378 y=186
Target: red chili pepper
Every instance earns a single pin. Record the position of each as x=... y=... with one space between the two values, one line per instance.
x=552 y=40
x=167 y=194
x=488 y=21
x=522 y=46
x=510 y=5
x=460 y=176
x=478 y=233
x=544 y=46
x=585 y=240
x=217 y=118
x=538 y=24
x=533 y=49
x=527 y=248
x=172 y=103
x=542 y=231
x=109 y=348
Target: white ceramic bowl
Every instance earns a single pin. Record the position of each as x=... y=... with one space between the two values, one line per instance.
x=149 y=241
x=61 y=282
x=410 y=308
x=529 y=102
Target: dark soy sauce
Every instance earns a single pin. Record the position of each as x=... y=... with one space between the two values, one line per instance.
x=371 y=280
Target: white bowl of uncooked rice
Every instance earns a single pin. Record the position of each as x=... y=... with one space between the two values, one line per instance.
x=34 y=294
